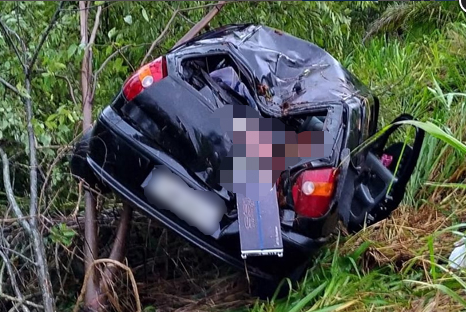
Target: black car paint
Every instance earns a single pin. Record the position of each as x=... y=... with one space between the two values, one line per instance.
x=116 y=144
x=130 y=138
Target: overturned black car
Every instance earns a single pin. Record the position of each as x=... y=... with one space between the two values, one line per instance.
x=161 y=118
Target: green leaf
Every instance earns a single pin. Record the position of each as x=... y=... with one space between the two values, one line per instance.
x=69 y=233
x=99 y=2
x=438 y=133
x=51 y=125
x=338 y=307
x=128 y=19
x=60 y=65
x=361 y=249
x=447 y=185
x=52 y=117
x=108 y=50
x=303 y=302
x=144 y=14
x=72 y=50
x=112 y=33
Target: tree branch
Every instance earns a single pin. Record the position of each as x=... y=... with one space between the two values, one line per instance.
x=86 y=71
x=88 y=52
x=21 y=302
x=114 y=263
x=38 y=246
x=9 y=192
x=202 y=23
x=119 y=245
x=9 y=86
x=204 y=6
x=90 y=227
x=193 y=31
x=7 y=31
x=70 y=87
x=44 y=36
x=96 y=26
x=14 y=284
x=90 y=246
x=160 y=37
x=108 y=59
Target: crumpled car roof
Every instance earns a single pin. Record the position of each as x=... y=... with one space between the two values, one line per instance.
x=297 y=71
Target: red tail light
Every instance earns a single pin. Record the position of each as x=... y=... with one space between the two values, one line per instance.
x=313 y=191
x=145 y=77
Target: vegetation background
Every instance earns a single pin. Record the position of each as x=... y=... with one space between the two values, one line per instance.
x=411 y=54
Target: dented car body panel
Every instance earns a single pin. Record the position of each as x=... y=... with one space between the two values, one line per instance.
x=169 y=124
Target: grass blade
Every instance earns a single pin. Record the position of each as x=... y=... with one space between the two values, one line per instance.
x=337 y=307
x=303 y=302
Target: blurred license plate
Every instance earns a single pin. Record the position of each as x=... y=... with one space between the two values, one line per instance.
x=201 y=209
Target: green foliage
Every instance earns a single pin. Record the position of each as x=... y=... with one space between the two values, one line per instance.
x=415 y=17
x=62 y=234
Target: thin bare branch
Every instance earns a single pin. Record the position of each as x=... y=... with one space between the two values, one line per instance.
x=83 y=14
x=14 y=284
x=70 y=86
x=20 y=302
x=126 y=60
x=194 y=30
x=202 y=23
x=87 y=101
x=7 y=31
x=204 y=6
x=60 y=154
x=45 y=35
x=85 y=66
x=9 y=86
x=9 y=192
x=186 y=18
x=90 y=227
x=160 y=37
x=94 y=29
x=86 y=70
x=108 y=59
x=90 y=244
x=18 y=254
x=111 y=56
x=90 y=231
x=32 y=153
x=114 y=263
x=80 y=190
x=89 y=7
x=119 y=245
x=38 y=245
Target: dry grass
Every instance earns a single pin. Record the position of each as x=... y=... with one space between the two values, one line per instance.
x=172 y=275
x=404 y=236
